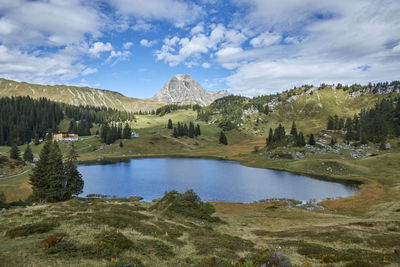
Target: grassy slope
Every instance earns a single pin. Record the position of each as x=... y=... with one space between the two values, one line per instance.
x=77 y=95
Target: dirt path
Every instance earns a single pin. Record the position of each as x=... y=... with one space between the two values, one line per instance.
x=15 y=175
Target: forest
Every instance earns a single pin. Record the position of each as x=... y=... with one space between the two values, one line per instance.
x=23 y=118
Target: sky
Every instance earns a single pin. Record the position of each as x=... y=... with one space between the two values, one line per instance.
x=248 y=47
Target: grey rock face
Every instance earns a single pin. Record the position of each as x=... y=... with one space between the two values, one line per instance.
x=182 y=89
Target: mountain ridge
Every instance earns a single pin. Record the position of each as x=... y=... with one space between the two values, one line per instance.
x=77 y=95
x=183 y=89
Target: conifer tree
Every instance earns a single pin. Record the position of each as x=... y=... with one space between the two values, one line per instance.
x=300 y=140
x=222 y=138
x=293 y=131
x=127 y=132
x=331 y=124
x=311 y=141
x=170 y=126
x=270 y=138
x=28 y=155
x=197 y=130
x=175 y=134
x=39 y=178
x=120 y=143
x=74 y=181
x=57 y=179
x=191 y=130
x=14 y=152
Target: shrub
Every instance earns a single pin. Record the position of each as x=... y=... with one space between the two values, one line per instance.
x=107 y=244
x=30 y=229
x=52 y=240
x=155 y=248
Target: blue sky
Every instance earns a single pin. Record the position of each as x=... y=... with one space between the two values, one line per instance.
x=248 y=47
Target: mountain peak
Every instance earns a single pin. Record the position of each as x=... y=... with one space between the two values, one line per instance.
x=183 y=89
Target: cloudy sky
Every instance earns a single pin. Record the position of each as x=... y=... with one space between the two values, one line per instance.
x=249 y=47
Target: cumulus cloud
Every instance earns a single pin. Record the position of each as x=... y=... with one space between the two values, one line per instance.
x=88 y=71
x=265 y=39
x=127 y=45
x=141 y=25
x=147 y=43
x=206 y=65
x=99 y=47
x=118 y=56
x=176 y=11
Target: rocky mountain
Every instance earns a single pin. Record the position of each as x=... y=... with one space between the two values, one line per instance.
x=77 y=95
x=182 y=89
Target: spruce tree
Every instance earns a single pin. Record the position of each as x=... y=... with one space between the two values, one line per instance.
x=14 y=152
x=39 y=179
x=331 y=124
x=222 y=138
x=170 y=126
x=120 y=143
x=74 y=181
x=127 y=132
x=191 y=130
x=293 y=131
x=270 y=138
x=300 y=140
x=198 y=131
x=57 y=178
x=175 y=133
x=28 y=155
x=311 y=141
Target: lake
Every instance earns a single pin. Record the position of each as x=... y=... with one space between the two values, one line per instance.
x=211 y=179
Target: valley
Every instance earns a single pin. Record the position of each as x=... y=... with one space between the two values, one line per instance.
x=360 y=230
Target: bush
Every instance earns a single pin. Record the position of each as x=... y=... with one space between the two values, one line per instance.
x=108 y=244
x=30 y=229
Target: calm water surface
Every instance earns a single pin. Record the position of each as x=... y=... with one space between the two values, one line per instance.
x=210 y=179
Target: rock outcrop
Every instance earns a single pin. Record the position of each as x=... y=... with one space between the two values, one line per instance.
x=182 y=89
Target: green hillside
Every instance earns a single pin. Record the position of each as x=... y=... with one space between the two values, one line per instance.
x=77 y=95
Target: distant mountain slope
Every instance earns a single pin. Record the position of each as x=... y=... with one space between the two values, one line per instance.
x=308 y=106
x=182 y=89
x=77 y=95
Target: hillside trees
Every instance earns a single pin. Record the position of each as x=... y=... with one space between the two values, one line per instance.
x=127 y=133
x=170 y=126
x=53 y=180
x=182 y=130
x=23 y=118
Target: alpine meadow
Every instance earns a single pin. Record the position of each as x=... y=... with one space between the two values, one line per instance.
x=230 y=133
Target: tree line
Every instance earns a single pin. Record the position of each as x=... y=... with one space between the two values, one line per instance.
x=370 y=125
x=278 y=137
x=23 y=118
x=182 y=129
x=109 y=134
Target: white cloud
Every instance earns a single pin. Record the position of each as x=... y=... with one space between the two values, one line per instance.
x=99 y=47
x=206 y=65
x=127 y=45
x=51 y=23
x=396 y=49
x=147 y=43
x=176 y=11
x=118 y=56
x=88 y=71
x=141 y=25
x=199 y=28
x=265 y=39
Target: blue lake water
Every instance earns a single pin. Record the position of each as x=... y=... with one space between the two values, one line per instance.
x=212 y=180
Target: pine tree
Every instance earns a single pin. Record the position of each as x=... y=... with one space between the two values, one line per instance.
x=74 y=181
x=39 y=178
x=300 y=140
x=293 y=131
x=170 y=126
x=57 y=179
x=331 y=124
x=127 y=132
x=14 y=152
x=311 y=141
x=270 y=138
x=28 y=155
x=120 y=143
x=333 y=141
x=222 y=138
x=191 y=130
x=175 y=134
x=197 y=131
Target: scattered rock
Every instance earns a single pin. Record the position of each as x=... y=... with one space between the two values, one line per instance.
x=388 y=146
x=4 y=210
